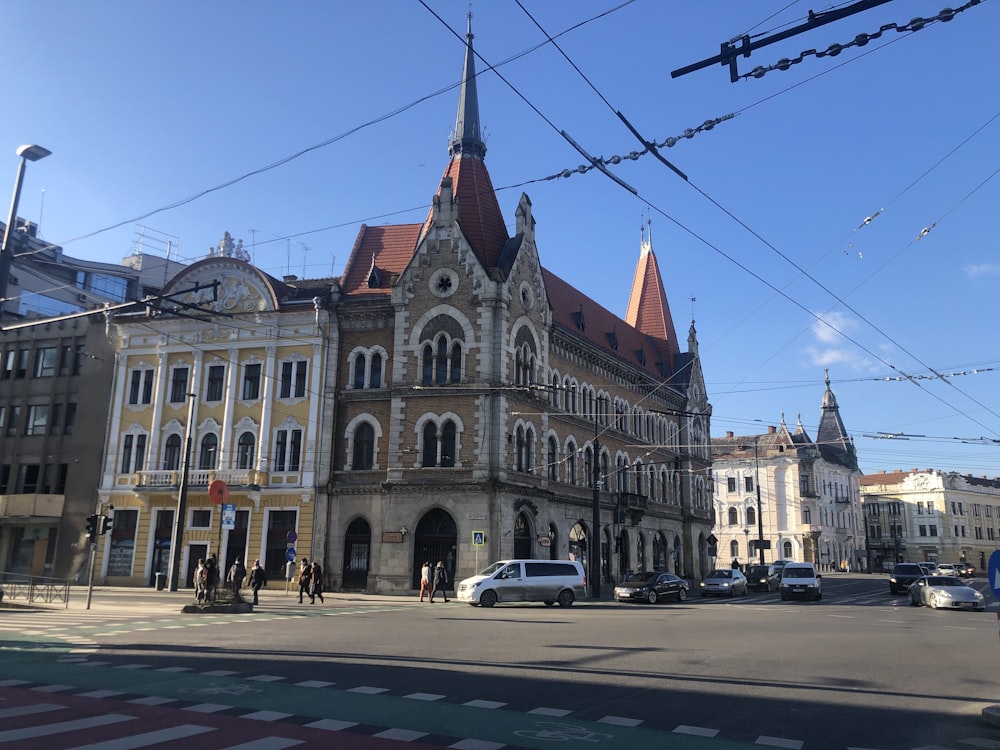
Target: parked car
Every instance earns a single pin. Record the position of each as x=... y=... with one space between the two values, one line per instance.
x=965 y=569
x=946 y=569
x=724 y=582
x=947 y=592
x=651 y=587
x=903 y=574
x=800 y=580
x=763 y=578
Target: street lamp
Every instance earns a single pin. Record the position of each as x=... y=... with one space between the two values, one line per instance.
x=27 y=153
x=182 y=491
x=746 y=533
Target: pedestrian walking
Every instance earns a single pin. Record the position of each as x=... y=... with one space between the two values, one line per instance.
x=237 y=572
x=305 y=573
x=211 y=577
x=316 y=583
x=200 y=581
x=257 y=579
x=425 y=580
x=440 y=582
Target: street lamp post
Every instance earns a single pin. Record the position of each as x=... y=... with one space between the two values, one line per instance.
x=27 y=153
x=594 y=542
x=182 y=489
x=746 y=533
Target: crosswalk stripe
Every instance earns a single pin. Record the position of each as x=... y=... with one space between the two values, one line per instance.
x=28 y=733
x=34 y=708
x=148 y=738
x=266 y=743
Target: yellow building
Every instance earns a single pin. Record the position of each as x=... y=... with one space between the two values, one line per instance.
x=218 y=417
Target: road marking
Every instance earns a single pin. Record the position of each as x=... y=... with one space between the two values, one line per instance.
x=697 y=731
x=148 y=738
x=266 y=678
x=266 y=743
x=424 y=696
x=90 y=722
x=405 y=735
x=368 y=690
x=477 y=745
x=843 y=617
x=314 y=684
x=557 y=712
x=779 y=742
x=35 y=708
x=152 y=700
x=332 y=725
x=207 y=708
x=266 y=715
x=484 y=704
x=620 y=721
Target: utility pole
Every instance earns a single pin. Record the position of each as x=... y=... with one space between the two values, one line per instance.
x=594 y=542
x=177 y=539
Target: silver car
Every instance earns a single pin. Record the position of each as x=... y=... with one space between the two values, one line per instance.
x=724 y=582
x=946 y=592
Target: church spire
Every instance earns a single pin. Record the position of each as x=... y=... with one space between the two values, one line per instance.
x=831 y=437
x=648 y=311
x=467 y=138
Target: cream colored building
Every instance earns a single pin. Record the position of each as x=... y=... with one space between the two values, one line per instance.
x=930 y=514
x=809 y=496
x=237 y=364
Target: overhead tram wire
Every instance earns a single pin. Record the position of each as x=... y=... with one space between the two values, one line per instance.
x=788 y=260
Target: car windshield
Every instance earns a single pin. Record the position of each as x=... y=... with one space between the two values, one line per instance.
x=944 y=581
x=907 y=570
x=757 y=570
x=641 y=577
x=721 y=574
x=798 y=573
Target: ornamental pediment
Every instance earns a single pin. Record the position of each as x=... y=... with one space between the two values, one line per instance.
x=221 y=285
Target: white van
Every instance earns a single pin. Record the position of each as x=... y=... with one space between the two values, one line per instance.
x=548 y=581
x=799 y=580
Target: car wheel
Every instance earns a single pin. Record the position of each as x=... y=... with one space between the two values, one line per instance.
x=651 y=597
x=979 y=609
x=934 y=601
x=913 y=601
x=682 y=594
x=566 y=598
x=487 y=599
x=732 y=593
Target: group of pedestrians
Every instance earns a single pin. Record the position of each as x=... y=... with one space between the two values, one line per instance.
x=433 y=580
x=310 y=581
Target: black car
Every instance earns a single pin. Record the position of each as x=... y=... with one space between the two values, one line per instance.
x=651 y=587
x=763 y=578
x=965 y=569
x=902 y=576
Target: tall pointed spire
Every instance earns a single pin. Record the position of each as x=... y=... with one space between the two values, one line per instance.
x=467 y=138
x=831 y=437
x=648 y=310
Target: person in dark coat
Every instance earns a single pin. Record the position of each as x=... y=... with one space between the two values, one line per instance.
x=440 y=581
x=305 y=573
x=237 y=572
x=211 y=577
x=316 y=583
x=257 y=579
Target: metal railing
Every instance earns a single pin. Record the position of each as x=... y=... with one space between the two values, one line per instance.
x=31 y=589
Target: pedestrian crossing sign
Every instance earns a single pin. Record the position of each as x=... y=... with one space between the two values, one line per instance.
x=478 y=538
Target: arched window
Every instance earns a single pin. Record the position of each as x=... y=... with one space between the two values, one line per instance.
x=734 y=549
x=554 y=391
x=448 y=444
x=208 y=451
x=734 y=517
x=172 y=453
x=428 y=366
x=751 y=515
x=442 y=360
x=359 y=371
x=364 y=447
x=375 y=379
x=430 y=445
x=605 y=472
x=552 y=458
x=456 y=362
x=786 y=551
x=245 y=449
x=571 y=462
x=588 y=466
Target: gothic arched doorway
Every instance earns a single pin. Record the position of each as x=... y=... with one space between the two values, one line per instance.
x=522 y=537
x=578 y=545
x=357 y=555
x=436 y=538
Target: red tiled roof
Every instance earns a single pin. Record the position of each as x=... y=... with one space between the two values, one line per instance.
x=390 y=246
x=603 y=328
x=479 y=213
x=648 y=310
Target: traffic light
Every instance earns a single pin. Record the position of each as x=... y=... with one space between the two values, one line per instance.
x=106 y=522
x=92 y=528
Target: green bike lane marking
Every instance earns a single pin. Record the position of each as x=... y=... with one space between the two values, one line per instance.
x=384 y=711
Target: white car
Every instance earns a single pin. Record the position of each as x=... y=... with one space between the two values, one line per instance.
x=946 y=569
x=946 y=592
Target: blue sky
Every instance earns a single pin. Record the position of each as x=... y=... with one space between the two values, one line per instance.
x=147 y=105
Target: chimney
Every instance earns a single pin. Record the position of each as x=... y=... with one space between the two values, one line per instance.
x=729 y=434
x=771 y=429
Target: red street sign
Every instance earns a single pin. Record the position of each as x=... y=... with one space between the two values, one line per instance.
x=218 y=492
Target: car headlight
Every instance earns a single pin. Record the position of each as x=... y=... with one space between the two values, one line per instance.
x=725 y=585
x=702 y=584
x=893 y=579
x=979 y=597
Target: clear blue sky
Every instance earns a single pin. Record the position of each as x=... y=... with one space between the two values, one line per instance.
x=148 y=104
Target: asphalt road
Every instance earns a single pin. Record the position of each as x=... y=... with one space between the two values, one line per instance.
x=859 y=669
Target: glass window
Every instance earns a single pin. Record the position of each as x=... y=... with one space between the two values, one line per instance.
x=126 y=465
x=45 y=362
x=245 y=451
x=730 y=484
x=178 y=385
x=359 y=371
x=364 y=447
x=448 y=444
x=172 y=453
x=293 y=379
x=375 y=380
x=8 y=364
x=140 y=452
x=13 y=419
x=216 y=383
x=38 y=419
x=208 y=452
x=251 y=382
x=430 y=445
x=69 y=426
x=748 y=484
x=201 y=519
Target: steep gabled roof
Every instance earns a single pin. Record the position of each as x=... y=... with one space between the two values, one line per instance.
x=834 y=443
x=379 y=253
x=648 y=310
x=584 y=318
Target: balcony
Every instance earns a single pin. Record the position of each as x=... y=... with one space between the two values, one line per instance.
x=198 y=478
x=630 y=501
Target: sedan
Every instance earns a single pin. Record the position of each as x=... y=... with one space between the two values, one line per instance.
x=946 y=592
x=965 y=569
x=651 y=588
x=946 y=569
x=725 y=582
